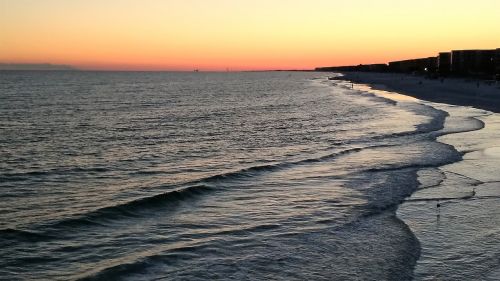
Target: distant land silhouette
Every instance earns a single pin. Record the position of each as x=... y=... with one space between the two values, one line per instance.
x=33 y=66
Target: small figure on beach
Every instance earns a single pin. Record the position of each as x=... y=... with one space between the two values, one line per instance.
x=473 y=193
x=438 y=210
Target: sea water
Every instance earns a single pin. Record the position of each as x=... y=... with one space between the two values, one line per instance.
x=210 y=176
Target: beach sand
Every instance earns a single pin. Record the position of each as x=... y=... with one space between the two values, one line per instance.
x=460 y=240
x=466 y=92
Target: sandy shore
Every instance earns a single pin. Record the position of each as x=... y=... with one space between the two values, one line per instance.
x=460 y=240
x=465 y=92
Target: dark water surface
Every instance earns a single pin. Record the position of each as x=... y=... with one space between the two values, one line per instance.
x=202 y=176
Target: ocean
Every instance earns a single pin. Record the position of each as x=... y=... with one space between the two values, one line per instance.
x=215 y=176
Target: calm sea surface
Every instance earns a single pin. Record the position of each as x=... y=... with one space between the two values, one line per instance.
x=207 y=176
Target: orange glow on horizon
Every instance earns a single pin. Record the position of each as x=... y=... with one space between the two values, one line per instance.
x=239 y=35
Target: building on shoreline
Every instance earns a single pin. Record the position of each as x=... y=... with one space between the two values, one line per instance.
x=444 y=63
x=414 y=65
x=474 y=63
x=497 y=62
x=380 y=67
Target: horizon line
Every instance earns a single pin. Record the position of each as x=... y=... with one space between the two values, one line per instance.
x=8 y=66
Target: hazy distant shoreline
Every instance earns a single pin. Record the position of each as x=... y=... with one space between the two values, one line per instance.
x=35 y=66
x=464 y=92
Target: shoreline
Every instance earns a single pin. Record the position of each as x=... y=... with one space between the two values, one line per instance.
x=459 y=238
x=480 y=94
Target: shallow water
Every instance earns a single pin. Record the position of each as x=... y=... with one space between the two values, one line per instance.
x=454 y=212
x=186 y=176
x=460 y=239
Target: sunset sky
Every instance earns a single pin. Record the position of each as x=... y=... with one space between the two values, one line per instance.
x=238 y=34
